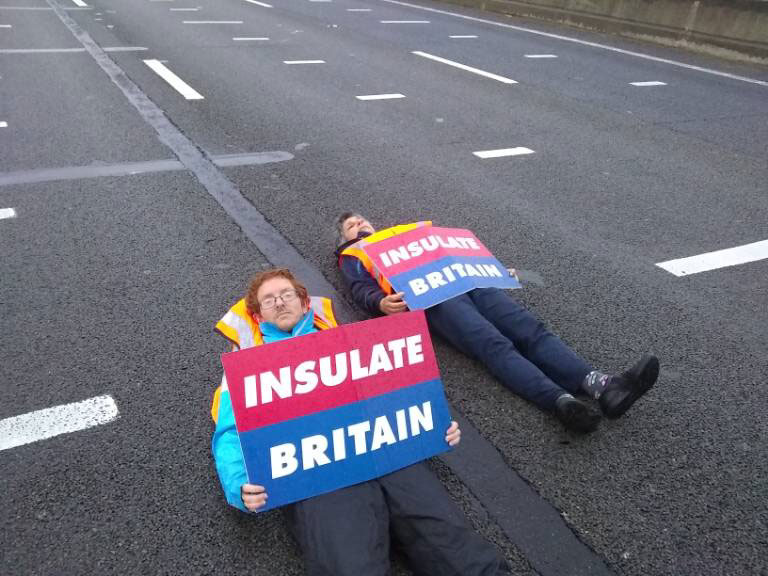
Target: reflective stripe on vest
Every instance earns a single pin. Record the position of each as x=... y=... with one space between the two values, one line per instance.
x=356 y=250
x=240 y=328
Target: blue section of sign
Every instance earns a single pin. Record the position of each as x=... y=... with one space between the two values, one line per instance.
x=412 y=443
x=443 y=279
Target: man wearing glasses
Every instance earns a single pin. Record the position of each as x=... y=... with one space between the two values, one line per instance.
x=345 y=532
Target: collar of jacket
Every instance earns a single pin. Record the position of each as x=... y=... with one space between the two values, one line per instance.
x=271 y=333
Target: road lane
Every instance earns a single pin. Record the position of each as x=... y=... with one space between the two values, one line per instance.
x=602 y=196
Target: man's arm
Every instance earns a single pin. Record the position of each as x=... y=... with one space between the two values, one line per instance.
x=366 y=293
x=229 y=461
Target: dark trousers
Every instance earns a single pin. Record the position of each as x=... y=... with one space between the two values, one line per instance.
x=488 y=325
x=347 y=532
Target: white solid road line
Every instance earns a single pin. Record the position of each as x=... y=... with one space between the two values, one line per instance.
x=584 y=43
x=462 y=36
x=380 y=97
x=178 y=84
x=50 y=422
x=212 y=21
x=242 y=39
x=541 y=56
x=465 y=67
x=718 y=259
x=183 y=9
x=303 y=61
x=652 y=83
x=262 y=4
x=358 y=9
x=519 y=151
x=6 y=213
x=404 y=21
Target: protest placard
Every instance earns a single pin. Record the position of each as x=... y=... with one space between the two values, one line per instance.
x=326 y=410
x=431 y=265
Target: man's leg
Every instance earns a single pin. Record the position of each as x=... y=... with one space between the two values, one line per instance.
x=343 y=533
x=555 y=358
x=459 y=321
x=432 y=531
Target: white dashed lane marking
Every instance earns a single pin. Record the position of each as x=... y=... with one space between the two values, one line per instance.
x=541 y=56
x=262 y=4
x=243 y=39
x=6 y=213
x=177 y=83
x=303 y=61
x=718 y=259
x=465 y=67
x=463 y=36
x=50 y=422
x=380 y=96
x=519 y=151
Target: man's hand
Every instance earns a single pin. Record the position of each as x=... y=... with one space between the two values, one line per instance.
x=453 y=434
x=393 y=304
x=513 y=273
x=254 y=497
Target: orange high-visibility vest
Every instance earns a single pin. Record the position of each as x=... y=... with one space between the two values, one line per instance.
x=243 y=331
x=356 y=250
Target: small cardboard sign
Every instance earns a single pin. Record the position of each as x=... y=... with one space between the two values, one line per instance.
x=431 y=265
x=337 y=407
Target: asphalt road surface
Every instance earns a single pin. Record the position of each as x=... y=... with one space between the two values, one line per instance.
x=154 y=154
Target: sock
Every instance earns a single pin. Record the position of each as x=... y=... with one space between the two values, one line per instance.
x=594 y=383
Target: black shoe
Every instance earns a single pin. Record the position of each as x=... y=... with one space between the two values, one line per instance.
x=576 y=415
x=623 y=390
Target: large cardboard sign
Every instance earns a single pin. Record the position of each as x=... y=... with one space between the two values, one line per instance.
x=319 y=412
x=433 y=264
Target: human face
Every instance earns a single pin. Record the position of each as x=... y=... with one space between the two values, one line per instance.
x=285 y=315
x=353 y=225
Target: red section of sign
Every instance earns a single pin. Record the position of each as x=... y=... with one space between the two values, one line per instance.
x=363 y=337
x=421 y=246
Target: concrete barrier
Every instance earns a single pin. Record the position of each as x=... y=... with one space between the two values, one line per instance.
x=729 y=28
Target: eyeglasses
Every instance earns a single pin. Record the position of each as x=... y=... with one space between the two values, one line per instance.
x=271 y=301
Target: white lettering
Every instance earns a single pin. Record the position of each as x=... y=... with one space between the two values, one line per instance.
x=402 y=427
x=313 y=451
x=421 y=418
x=250 y=391
x=414 y=249
x=339 y=445
x=396 y=347
x=471 y=270
x=283 y=458
x=357 y=431
x=430 y=243
x=326 y=376
x=379 y=360
x=306 y=377
x=358 y=371
x=435 y=280
x=413 y=346
x=382 y=433
x=492 y=270
x=270 y=383
x=385 y=259
x=418 y=286
x=398 y=254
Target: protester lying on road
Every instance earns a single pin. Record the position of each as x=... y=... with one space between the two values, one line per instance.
x=345 y=532
x=487 y=324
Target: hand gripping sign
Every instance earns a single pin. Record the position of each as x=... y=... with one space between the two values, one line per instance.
x=319 y=412
x=432 y=265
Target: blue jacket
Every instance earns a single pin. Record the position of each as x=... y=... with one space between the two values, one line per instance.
x=226 y=444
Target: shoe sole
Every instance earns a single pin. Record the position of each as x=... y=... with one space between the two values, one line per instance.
x=580 y=419
x=645 y=373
